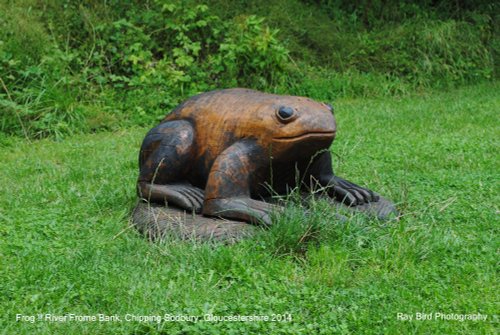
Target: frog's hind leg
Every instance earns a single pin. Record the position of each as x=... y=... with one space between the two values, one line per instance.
x=164 y=162
x=228 y=190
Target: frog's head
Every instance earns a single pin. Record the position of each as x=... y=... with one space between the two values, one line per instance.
x=299 y=128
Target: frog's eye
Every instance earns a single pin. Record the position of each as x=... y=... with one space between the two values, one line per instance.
x=285 y=113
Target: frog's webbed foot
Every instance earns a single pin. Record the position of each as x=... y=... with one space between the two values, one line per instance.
x=357 y=198
x=183 y=195
x=241 y=208
x=338 y=188
x=360 y=199
x=349 y=193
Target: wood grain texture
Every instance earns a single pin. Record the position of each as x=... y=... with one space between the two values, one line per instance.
x=158 y=222
x=221 y=153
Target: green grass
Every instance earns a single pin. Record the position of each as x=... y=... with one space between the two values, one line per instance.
x=65 y=246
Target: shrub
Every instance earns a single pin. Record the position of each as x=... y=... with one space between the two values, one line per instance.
x=188 y=49
x=72 y=66
x=146 y=61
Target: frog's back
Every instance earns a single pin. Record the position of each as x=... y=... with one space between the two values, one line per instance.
x=226 y=103
x=219 y=119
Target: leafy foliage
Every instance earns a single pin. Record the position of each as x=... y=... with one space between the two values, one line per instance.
x=77 y=67
x=164 y=51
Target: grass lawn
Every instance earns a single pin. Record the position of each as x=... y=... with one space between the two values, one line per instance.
x=65 y=246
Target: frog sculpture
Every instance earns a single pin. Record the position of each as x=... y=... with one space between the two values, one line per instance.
x=222 y=153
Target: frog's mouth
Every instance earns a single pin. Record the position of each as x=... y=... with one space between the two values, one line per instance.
x=318 y=135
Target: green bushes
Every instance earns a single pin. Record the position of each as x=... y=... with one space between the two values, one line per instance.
x=68 y=66
x=188 y=50
x=157 y=54
x=424 y=45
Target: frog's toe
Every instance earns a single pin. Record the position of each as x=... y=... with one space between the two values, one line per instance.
x=188 y=197
x=365 y=194
x=194 y=198
x=182 y=195
x=344 y=196
x=352 y=194
x=245 y=209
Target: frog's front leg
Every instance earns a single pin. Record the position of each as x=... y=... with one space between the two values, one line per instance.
x=227 y=193
x=342 y=190
x=163 y=161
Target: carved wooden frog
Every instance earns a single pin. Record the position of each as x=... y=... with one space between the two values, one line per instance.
x=222 y=152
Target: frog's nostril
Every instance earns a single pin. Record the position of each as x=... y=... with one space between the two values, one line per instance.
x=285 y=113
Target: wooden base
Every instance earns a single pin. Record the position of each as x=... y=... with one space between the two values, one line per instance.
x=382 y=209
x=158 y=222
